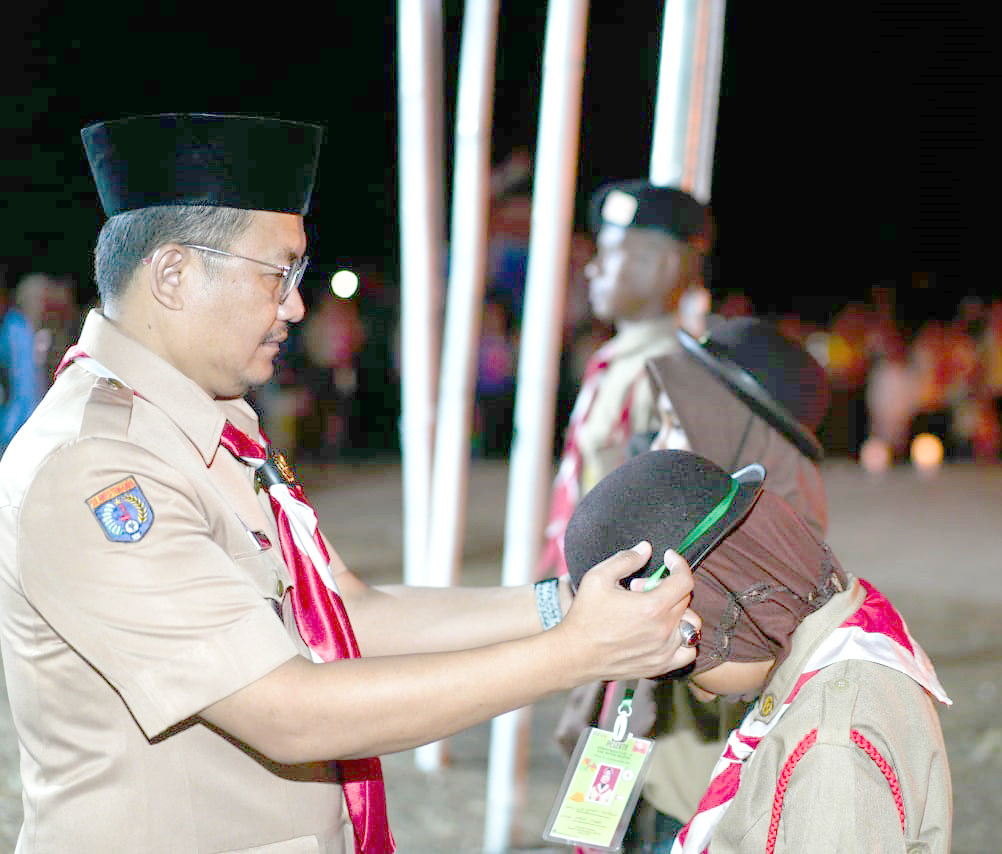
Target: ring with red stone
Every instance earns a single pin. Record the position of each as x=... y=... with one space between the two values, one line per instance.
x=690 y=634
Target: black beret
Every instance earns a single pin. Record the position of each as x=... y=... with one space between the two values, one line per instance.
x=639 y=204
x=200 y=159
x=776 y=377
x=659 y=496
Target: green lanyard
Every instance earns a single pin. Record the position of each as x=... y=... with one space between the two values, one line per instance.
x=708 y=521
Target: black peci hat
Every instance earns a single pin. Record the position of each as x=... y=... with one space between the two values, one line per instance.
x=639 y=204
x=776 y=377
x=201 y=159
x=666 y=498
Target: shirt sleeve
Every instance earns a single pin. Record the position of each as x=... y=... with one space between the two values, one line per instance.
x=865 y=784
x=820 y=805
x=170 y=620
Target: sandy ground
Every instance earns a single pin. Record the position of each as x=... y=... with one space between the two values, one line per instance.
x=931 y=544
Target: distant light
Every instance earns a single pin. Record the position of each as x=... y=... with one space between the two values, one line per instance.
x=875 y=455
x=818 y=344
x=840 y=354
x=926 y=452
x=344 y=284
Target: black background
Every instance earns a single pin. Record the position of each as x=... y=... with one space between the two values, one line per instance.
x=854 y=145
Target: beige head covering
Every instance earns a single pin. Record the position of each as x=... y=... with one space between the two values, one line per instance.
x=723 y=429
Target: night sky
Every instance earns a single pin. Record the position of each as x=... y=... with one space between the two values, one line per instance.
x=853 y=145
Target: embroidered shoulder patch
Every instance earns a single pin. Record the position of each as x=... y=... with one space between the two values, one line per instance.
x=122 y=511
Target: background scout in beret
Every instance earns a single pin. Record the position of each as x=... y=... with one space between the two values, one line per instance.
x=191 y=667
x=650 y=244
x=847 y=744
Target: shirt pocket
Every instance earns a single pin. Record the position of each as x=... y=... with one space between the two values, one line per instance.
x=263 y=567
x=299 y=845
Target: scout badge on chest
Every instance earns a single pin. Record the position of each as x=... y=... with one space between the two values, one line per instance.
x=275 y=470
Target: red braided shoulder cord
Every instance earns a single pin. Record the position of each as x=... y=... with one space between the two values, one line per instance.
x=806 y=744
x=885 y=769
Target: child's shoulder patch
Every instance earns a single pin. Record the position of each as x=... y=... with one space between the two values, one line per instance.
x=123 y=511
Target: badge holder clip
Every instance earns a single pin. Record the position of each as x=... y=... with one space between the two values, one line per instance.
x=601 y=786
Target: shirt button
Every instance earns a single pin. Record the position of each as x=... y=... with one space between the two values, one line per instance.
x=841 y=684
x=280 y=588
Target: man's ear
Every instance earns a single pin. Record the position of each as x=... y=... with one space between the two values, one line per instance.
x=165 y=275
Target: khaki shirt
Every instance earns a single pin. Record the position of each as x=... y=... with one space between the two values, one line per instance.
x=624 y=384
x=837 y=798
x=120 y=623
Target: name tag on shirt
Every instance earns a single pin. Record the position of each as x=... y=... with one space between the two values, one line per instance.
x=260 y=539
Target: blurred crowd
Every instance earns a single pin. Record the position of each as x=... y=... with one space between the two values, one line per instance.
x=894 y=381
x=39 y=319
x=336 y=392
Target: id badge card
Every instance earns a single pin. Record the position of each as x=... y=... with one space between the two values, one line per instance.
x=599 y=791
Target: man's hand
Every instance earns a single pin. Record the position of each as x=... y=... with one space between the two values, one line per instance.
x=627 y=634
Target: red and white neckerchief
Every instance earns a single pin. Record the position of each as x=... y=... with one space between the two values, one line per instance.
x=566 y=490
x=321 y=619
x=876 y=632
x=76 y=354
x=319 y=612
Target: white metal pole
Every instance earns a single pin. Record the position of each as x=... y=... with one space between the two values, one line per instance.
x=714 y=52
x=671 y=108
x=464 y=306
x=531 y=455
x=685 y=113
x=419 y=48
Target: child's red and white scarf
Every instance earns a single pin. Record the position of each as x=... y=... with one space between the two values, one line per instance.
x=877 y=633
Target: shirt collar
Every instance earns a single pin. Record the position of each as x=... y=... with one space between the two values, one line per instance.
x=195 y=413
x=813 y=629
x=637 y=336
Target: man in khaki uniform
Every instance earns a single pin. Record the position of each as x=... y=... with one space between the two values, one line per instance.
x=163 y=694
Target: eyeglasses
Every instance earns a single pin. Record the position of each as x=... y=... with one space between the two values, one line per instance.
x=293 y=272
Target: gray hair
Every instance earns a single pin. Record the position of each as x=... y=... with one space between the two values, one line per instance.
x=128 y=238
